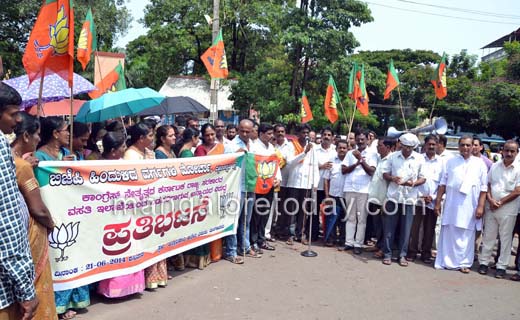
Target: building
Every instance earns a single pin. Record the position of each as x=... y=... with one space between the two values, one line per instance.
x=499 y=43
x=198 y=88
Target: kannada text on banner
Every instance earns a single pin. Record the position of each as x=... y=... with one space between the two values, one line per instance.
x=118 y=217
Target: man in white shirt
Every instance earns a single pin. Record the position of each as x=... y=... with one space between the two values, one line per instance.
x=286 y=149
x=325 y=152
x=263 y=202
x=359 y=166
x=239 y=242
x=303 y=179
x=424 y=214
x=220 y=131
x=441 y=148
x=404 y=172
x=377 y=191
x=501 y=209
x=333 y=182
x=464 y=181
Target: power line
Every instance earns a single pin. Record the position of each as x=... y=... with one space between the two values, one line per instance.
x=483 y=13
x=441 y=15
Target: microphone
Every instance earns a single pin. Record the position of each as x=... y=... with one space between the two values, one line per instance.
x=307 y=139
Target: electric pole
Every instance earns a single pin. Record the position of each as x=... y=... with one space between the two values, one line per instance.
x=215 y=83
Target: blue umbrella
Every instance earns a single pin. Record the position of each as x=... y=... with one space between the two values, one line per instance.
x=55 y=88
x=119 y=104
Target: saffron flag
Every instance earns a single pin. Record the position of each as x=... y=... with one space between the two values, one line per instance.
x=331 y=101
x=305 y=111
x=392 y=80
x=114 y=81
x=357 y=88
x=87 y=41
x=50 y=48
x=439 y=79
x=260 y=172
x=215 y=59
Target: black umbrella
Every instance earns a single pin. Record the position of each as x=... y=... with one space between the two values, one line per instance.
x=175 y=105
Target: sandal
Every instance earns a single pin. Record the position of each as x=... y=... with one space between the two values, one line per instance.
x=515 y=277
x=403 y=262
x=379 y=254
x=464 y=270
x=253 y=254
x=387 y=262
x=289 y=242
x=267 y=246
x=69 y=314
x=235 y=259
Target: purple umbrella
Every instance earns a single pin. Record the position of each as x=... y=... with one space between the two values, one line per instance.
x=54 y=88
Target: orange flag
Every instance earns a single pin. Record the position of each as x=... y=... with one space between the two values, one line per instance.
x=87 y=40
x=439 y=79
x=215 y=59
x=305 y=111
x=392 y=80
x=50 y=48
x=331 y=101
x=113 y=81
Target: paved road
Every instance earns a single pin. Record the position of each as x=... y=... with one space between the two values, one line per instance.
x=334 y=285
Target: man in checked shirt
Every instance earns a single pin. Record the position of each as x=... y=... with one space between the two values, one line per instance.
x=17 y=294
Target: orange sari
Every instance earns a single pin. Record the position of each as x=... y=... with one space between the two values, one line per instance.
x=39 y=247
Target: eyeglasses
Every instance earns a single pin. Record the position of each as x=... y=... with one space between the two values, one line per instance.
x=219 y=126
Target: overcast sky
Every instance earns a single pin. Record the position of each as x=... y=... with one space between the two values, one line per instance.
x=415 y=24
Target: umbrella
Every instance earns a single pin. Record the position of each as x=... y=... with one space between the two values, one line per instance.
x=54 y=88
x=175 y=105
x=57 y=108
x=118 y=104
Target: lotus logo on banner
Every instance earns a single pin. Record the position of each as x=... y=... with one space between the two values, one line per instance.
x=63 y=237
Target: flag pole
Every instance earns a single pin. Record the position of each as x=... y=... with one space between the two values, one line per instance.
x=71 y=119
x=39 y=107
x=343 y=111
x=433 y=108
x=401 y=107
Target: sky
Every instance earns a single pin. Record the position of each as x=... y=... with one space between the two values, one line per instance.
x=415 y=24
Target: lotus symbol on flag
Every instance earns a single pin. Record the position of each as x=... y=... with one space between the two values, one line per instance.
x=265 y=171
x=62 y=237
x=59 y=36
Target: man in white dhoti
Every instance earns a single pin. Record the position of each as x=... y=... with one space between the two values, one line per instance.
x=464 y=181
x=501 y=209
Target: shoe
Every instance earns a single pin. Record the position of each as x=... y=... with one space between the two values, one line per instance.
x=427 y=260
x=483 y=269
x=345 y=248
x=515 y=277
x=358 y=250
x=257 y=249
x=500 y=273
x=235 y=259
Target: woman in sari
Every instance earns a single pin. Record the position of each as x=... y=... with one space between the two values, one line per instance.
x=94 y=144
x=197 y=257
x=40 y=220
x=54 y=137
x=113 y=149
x=211 y=146
x=164 y=140
x=141 y=138
x=80 y=136
x=188 y=141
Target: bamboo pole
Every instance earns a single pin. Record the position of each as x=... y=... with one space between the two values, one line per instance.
x=401 y=107
x=433 y=108
x=71 y=118
x=39 y=107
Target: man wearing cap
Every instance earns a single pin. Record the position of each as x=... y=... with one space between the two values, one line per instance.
x=464 y=181
x=403 y=171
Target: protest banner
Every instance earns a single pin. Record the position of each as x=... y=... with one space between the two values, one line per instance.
x=118 y=217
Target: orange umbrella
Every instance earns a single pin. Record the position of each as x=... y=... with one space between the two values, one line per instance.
x=57 y=108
